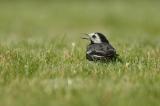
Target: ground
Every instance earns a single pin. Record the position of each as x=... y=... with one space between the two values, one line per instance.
x=42 y=57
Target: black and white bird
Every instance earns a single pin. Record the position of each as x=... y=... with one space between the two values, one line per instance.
x=99 y=47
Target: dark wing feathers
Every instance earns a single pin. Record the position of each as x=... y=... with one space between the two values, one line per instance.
x=100 y=51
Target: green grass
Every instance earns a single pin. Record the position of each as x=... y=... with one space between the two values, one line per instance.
x=39 y=66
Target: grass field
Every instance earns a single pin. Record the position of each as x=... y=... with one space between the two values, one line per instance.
x=42 y=58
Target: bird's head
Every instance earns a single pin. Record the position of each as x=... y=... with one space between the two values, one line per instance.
x=96 y=38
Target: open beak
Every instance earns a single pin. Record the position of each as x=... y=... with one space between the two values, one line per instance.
x=86 y=36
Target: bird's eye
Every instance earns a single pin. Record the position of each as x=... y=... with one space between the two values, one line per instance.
x=94 y=36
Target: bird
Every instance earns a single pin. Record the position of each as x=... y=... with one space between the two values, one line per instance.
x=99 y=48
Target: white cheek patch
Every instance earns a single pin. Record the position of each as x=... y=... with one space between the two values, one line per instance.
x=97 y=39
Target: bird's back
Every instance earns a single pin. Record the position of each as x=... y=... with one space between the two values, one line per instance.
x=100 y=51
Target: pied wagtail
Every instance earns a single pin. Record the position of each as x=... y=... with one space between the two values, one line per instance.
x=99 y=48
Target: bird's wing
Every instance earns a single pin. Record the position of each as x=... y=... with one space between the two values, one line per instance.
x=100 y=51
x=107 y=53
x=105 y=50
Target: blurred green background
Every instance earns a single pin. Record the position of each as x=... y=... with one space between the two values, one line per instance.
x=34 y=18
x=39 y=64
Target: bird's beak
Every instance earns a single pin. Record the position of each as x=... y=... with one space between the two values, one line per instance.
x=86 y=36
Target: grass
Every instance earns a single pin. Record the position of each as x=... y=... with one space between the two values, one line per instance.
x=39 y=64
